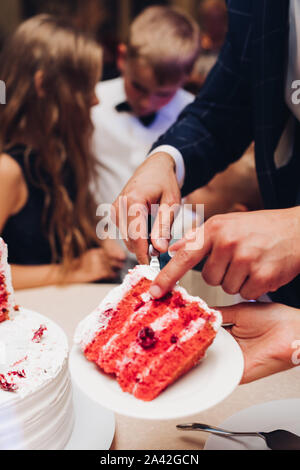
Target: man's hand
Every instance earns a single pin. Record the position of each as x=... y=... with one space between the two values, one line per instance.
x=266 y=334
x=153 y=183
x=248 y=253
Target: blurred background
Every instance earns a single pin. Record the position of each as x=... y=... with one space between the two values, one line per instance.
x=108 y=22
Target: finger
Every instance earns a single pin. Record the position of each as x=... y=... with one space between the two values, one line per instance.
x=238 y=315
x=190 y=235
x=138 y=232
x=161 y=232
x=182 y=262
x=235 y=278
x=229 y=314
x=216 y=266
x=252 y=289
x=132 y=219
x=176 y=247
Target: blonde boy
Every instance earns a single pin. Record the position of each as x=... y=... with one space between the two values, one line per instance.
x=137 y=108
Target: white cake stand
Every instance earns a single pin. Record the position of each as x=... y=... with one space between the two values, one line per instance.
x=94 y=426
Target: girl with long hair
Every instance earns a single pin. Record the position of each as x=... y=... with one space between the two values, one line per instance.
x=47 y=210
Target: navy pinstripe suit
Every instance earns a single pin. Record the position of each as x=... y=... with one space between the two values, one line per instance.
x=243 y=100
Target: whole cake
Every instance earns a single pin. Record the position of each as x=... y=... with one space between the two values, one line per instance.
x=147 y=344
x=36 y=408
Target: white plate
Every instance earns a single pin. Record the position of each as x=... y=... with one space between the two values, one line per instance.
x=282 y=414
x=203 y=387
x=94 y=426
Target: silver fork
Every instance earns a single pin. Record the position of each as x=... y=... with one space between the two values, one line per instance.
x=276 y=440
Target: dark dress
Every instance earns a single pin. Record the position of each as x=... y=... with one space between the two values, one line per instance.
x=24 y=232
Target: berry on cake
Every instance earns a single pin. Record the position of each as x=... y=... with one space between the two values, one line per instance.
x=146 y=343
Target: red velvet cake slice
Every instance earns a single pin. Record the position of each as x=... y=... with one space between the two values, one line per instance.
x=7 y=305
x=145 y=343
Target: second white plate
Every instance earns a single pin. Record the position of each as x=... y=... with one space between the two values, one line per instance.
x=266 y=417
x=205 y=386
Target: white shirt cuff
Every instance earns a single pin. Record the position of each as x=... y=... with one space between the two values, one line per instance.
x=178 y=158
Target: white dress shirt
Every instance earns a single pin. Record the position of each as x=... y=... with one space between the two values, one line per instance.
x=120 y=141
x=284 y=150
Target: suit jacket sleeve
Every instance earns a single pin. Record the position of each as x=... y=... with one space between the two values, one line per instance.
x=215 y=130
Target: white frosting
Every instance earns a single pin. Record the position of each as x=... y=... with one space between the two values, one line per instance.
x=41 y=361
x=163 y=322
x=5 y=269
x=39 y=414
x=98 y=320
x=192 y=329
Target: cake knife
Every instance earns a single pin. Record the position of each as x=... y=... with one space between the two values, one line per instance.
x=154 y=255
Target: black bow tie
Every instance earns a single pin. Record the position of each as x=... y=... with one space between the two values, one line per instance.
x=145 y=120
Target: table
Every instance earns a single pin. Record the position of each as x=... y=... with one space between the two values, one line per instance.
x=68 y=305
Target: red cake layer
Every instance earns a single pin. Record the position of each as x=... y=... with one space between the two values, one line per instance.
x=172 y=364
x=4 y=306
x=148 y=345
